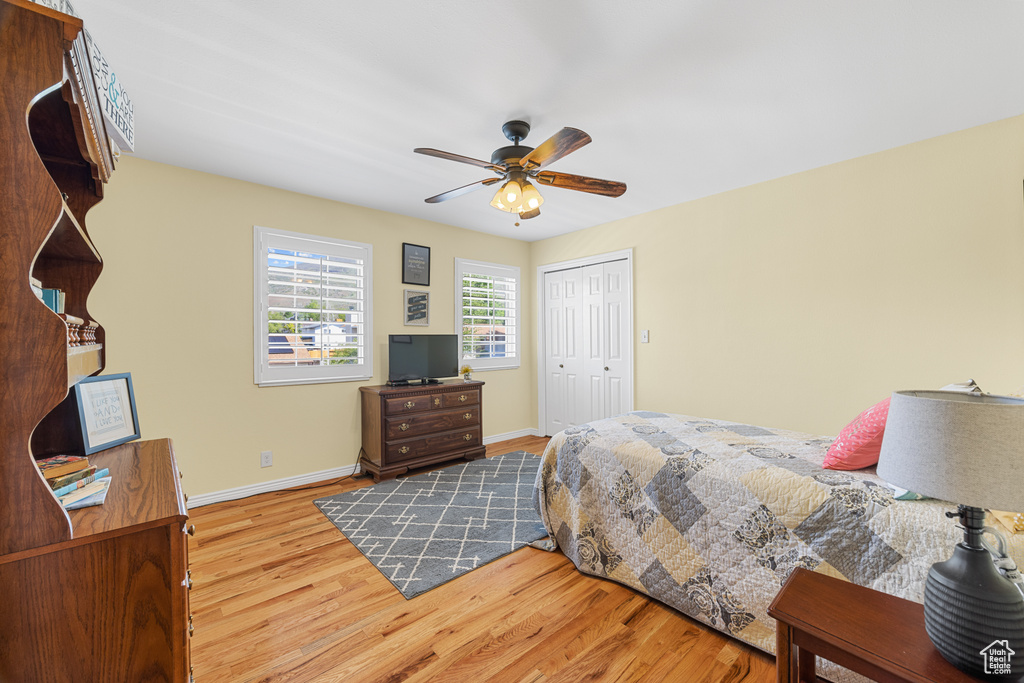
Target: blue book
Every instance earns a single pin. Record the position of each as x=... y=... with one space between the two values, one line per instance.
x=81 y=483
x=51 y=297
x=94 y=498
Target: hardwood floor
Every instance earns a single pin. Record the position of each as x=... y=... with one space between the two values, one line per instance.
x=280 y=594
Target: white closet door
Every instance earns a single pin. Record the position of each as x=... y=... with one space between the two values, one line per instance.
x=562 y=359
x=617 y=362
x=592 y=406
x=588 y=361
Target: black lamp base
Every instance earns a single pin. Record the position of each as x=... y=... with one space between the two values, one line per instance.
x=972 y=613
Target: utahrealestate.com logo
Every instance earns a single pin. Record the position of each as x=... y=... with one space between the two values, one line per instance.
x=997 y=657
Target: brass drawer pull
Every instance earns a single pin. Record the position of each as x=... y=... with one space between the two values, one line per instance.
x=463 y=398
x=468 y=437
x=437 y=401
x=191 y=628
x=188 y=579
x=191 y=530
x=410 y=404
x=403 y=450
x=403 y=426
x=468 y=416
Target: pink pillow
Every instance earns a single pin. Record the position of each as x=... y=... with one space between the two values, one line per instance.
x=858 y=445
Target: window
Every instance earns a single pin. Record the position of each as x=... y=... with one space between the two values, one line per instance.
x=312 y=308
x=487 y=314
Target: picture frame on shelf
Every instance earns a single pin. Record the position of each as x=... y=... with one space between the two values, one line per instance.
x=415 y=264
x=417 y=307
x=106 y=411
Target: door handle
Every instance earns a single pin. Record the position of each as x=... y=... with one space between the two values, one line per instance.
x=606 y=368
x=560 y=365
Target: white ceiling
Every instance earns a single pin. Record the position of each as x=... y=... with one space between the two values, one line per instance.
x=683 y=98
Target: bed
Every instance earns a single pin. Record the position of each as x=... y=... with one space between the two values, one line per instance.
x=710 y=517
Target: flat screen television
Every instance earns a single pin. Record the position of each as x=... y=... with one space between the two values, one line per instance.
x=423 y=358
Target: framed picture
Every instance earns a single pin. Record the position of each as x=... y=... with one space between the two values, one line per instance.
x=106 y=411
x=415 y=265
x=417 y=307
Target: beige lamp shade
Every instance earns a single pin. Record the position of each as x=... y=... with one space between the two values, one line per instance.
x=964 y=448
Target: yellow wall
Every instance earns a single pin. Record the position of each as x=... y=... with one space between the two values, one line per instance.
x=799 y=302
x=175 y=298
x=793 y=303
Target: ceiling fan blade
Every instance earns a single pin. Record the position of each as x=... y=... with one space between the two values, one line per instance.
x=608 y=188
x=459 y=191
x=563 y=142
x=461 y=159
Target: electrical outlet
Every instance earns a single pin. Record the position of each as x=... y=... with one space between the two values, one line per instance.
x=266 y=458
x=645 y=336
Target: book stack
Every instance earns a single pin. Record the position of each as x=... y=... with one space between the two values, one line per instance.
x=74 y=481
x=54 y=300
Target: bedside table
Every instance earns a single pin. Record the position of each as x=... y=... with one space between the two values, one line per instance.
x=875 y=634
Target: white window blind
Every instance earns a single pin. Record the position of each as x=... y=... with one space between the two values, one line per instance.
x=312 y=308
x=487 y=314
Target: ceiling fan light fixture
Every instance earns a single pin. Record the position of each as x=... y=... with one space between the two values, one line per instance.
x=532 y=199
x=497 y=203
x=517 y=164
x=512 y=194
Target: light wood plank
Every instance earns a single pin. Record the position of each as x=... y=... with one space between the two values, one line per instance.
x=280 y=595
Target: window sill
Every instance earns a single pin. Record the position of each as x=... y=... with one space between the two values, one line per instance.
x=320 y=380
x=492 y=367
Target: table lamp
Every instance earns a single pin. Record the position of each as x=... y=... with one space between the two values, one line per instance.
x=967 y=449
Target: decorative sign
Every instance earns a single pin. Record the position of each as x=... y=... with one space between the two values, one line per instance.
x=106 y=411
x=117 y=107
x=415 y=265
x=417 y=307
x=59 y=5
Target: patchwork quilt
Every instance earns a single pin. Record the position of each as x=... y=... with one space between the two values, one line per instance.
x=710 y=517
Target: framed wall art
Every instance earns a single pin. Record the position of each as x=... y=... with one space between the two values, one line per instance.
x=417 y=307
x=106 y=411
x=415 y=265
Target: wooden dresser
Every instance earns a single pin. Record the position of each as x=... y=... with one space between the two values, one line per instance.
x=421 y=424
x=100 y=593
x=111 y=603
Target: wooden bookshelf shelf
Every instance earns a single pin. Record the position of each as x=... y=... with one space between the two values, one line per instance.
x=68 y=241
x=84 y=361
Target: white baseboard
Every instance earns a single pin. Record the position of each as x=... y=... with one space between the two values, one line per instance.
x=266 y=486
x=510 y=435
x=313 y=477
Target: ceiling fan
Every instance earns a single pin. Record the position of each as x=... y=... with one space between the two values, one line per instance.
x=517 y=165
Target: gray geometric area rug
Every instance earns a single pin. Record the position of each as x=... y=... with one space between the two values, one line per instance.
x=426 y=530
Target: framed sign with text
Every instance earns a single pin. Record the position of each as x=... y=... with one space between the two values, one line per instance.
x=106 y=411
x=417 y=307
x=415 y=265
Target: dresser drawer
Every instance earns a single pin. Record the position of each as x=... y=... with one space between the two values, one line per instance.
x=409 y=449
x=455 y=399
x=404 y=427
x=406 y=404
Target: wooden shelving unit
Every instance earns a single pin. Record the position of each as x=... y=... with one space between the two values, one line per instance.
x=100 y=594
